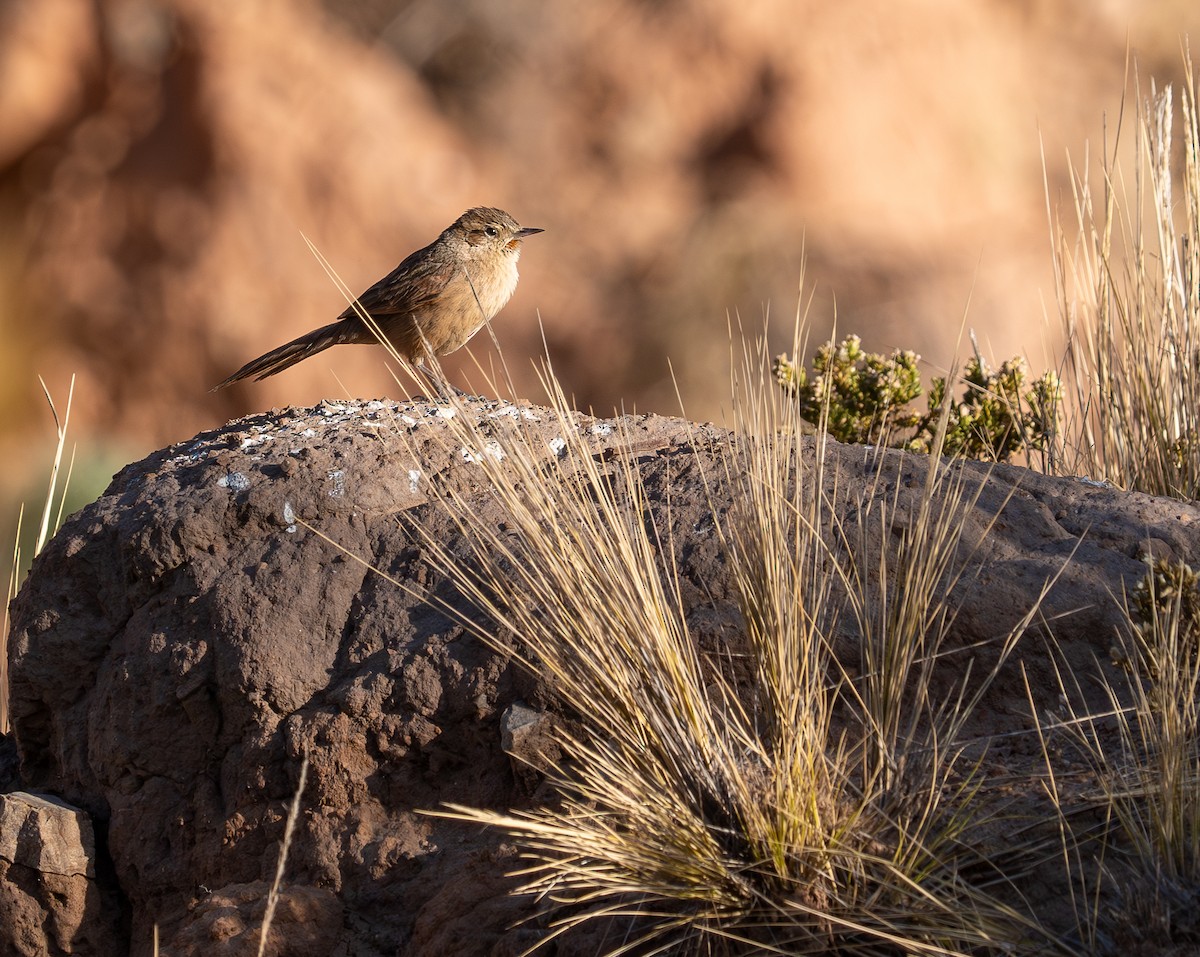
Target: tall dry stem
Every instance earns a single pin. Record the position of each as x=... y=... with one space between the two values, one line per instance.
x=51 y=519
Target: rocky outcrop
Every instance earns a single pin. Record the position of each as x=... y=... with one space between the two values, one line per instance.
x=186 y=639
x=50 y=900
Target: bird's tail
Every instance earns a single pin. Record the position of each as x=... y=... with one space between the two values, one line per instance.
x=295 y=351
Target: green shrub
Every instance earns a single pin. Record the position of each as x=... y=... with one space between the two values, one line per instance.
x=864 y=398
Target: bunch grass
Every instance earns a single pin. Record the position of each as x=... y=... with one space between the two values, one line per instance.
x=1127 y=262
x=1144 y=750
x=821 y=807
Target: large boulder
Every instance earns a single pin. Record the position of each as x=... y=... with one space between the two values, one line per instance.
x=185 y=640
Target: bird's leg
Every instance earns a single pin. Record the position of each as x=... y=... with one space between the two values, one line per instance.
x=441 y=384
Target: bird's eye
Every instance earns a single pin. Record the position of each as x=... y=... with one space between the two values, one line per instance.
x=491 y=231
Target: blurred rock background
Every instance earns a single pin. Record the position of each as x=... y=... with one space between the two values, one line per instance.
x=161 y=159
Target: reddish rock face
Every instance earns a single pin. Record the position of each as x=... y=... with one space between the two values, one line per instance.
x=185 y=639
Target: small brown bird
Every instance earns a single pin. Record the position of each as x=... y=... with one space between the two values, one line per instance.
x=434 y=301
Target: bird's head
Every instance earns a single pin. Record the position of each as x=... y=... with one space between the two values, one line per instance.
x=484 y=230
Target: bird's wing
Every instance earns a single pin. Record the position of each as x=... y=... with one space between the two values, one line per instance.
x=416 y=282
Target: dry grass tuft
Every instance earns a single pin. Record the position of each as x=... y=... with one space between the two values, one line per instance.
x=805 y=811
x=1128 y=271
x=1129 y=295
x=1146 y=758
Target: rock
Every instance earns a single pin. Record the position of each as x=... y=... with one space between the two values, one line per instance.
x=228 y=923
x=527 y=736
x=185 y=639
x=50 y=902
x=47 y=835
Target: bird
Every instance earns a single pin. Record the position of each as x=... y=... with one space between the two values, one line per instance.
x=429 y=305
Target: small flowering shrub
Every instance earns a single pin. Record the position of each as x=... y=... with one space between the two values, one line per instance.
x=864 y=397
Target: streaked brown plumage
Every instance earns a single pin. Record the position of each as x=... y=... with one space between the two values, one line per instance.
x=443 y=293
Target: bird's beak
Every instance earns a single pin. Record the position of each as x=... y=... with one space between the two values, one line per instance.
x=528 y=231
